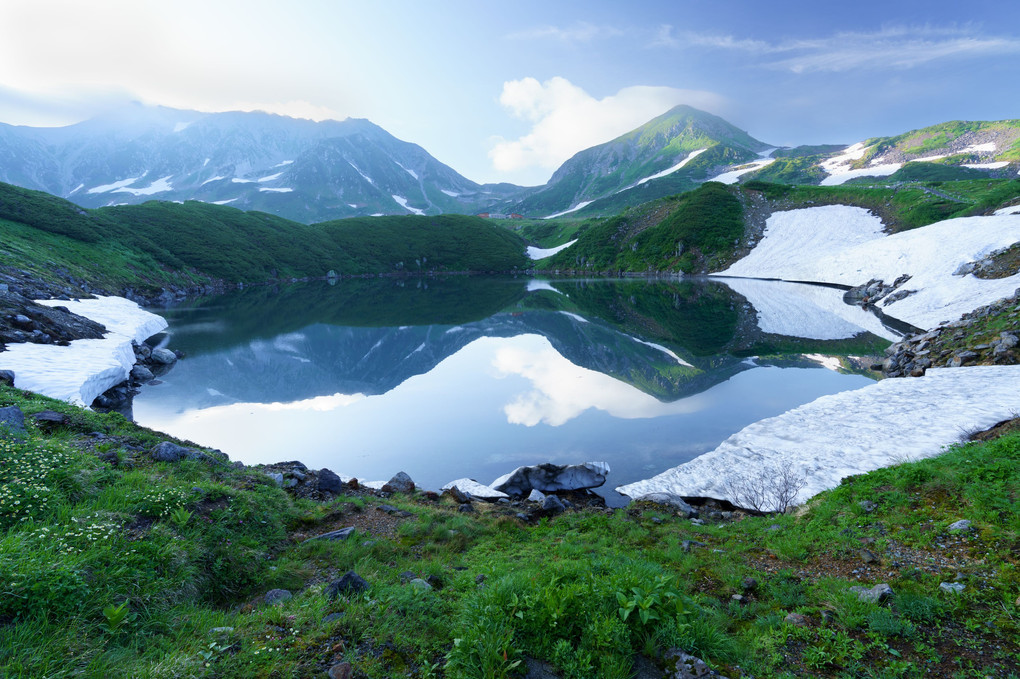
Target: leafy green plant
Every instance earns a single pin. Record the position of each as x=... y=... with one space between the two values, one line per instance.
x=117 y=616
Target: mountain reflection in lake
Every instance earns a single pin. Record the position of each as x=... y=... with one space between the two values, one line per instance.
x=445 y=378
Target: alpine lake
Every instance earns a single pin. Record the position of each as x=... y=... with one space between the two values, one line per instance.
x=451 y=377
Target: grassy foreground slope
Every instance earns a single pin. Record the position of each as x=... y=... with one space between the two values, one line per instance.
x=158 y=242
x=112 y=564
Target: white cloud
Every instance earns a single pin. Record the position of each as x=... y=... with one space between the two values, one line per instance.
x=897 y=47
x=566 y=119
x=581 y=31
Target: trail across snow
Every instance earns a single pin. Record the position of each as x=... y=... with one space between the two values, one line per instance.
x=86 y=368
x=852 y=432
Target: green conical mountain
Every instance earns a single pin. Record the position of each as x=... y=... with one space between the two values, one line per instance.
x=641 y=162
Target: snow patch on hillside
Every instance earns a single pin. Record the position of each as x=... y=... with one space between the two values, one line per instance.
x=212 y=179
x=732 y=176
x=238 y=180
x=83 y=370
x=76 y=189
x=874 y=171
x=403 y=204
x=1011 y=210
x=845 y=245
x=114 y=186
x=668 y=170
x=451 y=194
x=408 y=171
x=583 y=204
x=159 y=186
x=542 y=253
x=265 y=189
x=851 y=432
x=987 y=166
x=980 y=148
x=365 y=176
x=223 y=202
x=269 y=178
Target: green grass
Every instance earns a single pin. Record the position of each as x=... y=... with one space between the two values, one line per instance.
x=159 y=242
x=153 y=570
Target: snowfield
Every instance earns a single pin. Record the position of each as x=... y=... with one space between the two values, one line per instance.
x=845 y=245
x=852 y=432
x=542 y=253
x=583 y=204
x=80 y=372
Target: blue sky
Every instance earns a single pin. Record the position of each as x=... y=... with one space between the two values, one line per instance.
x=507 y=91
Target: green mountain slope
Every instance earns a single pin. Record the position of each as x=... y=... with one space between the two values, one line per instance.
x=157 y=242
x=618 y=167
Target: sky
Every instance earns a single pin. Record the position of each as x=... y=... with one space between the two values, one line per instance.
x=508 y=91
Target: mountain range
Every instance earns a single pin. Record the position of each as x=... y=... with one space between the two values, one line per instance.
x=315 y=171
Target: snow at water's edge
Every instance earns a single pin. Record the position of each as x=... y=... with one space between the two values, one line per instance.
x=852 y=432
x=542 y=253
x=845 y=245
x=80 y=372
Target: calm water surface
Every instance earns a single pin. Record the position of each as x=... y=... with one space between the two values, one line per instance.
x=446 y=378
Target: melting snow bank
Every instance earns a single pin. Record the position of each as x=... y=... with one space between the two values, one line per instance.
x=845 y=245
x=851 y=432
x=540 y=253
x=80 y=372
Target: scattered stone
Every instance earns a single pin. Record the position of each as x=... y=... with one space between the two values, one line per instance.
x=796 y=619
x=390 y=509
x=536 y=496
x=466 y=508
x=335 y=535
x=828 y=617
x=868 y=556
x=7 y=377
x=328 y=482
x=49 y=418
x=400 y=483
x=420 y=584
x=686 y=545
x=670 y=500
x=553 y=504
x=277 y=596
x=749 y=584
x=350 y=583
x=697 y=522
x=552 y=477
x=874 y=595
x=739 y=598
x=12 y=422
x=276 y=477
x=867 y=505
x=140 y=373
x=954 y=587
x=774 y=527
x=341 y=671
x=407 y=576
x=459 y=496
x=435 y=581
x=163 y=356
x=681 y=665
x=171 y=452
x=963 y=525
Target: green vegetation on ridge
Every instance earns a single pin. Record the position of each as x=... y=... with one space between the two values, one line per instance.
x=199 y=241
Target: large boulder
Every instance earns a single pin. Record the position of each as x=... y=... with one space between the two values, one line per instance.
x=163 y=357
x=329 y=482
x=400 y=483
x=171 y=452
x=550 y=478
x=12 y=422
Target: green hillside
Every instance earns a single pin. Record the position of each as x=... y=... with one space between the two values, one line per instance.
x=159 y=242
